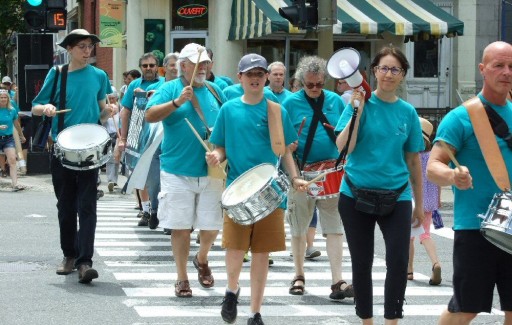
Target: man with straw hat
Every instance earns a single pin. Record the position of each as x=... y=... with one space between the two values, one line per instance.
x=188 y=198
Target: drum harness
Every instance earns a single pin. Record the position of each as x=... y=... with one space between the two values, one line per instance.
x=318 y=116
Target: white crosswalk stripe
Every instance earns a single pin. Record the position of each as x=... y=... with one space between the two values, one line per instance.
x=141 y=260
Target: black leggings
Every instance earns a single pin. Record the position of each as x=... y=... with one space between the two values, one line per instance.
x=396 y=230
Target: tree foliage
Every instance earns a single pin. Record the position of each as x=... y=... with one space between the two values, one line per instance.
x=11 y=22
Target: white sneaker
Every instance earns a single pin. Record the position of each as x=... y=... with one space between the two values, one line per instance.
x=312 y=252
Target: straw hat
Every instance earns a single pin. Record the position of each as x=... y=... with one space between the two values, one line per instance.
x=426 y=128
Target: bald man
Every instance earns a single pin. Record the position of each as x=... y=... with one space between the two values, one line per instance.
x=478 y=266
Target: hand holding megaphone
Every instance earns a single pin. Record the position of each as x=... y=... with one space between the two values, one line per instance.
x=344 y=64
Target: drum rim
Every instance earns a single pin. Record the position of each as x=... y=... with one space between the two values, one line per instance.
x=224 y=193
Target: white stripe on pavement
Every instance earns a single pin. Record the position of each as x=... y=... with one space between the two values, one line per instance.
x=138 y=253
x=215 y=264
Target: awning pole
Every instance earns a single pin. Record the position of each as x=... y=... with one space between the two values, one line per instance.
x=439 y=43
x=287 y=60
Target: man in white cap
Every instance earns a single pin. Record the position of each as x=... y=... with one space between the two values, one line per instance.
x=188 y=197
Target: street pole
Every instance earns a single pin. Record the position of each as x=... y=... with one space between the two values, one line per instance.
x=326 y=10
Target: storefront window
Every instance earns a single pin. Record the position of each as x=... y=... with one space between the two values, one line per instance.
x=425 y=59
x=189 y=15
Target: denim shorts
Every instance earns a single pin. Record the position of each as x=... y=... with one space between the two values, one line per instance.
x=6 y=141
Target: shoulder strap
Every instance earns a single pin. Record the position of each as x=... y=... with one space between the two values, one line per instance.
x=195 y=104
x=62 y=98
x=275 y=127
x=487 y=142
x=214 y=93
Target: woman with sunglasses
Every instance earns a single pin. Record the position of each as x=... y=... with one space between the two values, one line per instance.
x=8 y=121
x=383 y=154
x=85 y=94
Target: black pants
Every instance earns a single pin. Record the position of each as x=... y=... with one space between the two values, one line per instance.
x=76 y=195
x=396 y=230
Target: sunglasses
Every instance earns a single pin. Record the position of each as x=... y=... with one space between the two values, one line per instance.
x=314 y=85
x=146 y=65
x=394 y=70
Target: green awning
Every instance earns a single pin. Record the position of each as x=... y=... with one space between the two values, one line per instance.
x=409 y=18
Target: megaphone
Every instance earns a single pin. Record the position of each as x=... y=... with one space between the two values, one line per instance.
x=344 y=64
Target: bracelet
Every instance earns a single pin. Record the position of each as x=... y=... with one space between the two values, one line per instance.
x=175 y=105
x=123 y=139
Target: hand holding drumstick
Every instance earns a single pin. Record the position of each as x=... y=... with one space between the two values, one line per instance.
x=461 y=177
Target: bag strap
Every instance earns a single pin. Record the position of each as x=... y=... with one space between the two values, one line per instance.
x=487 y=142
x=498 y=124
x=275 y=127
x=214 y=93
x=354 y=189
x=343 y=153
x=317 y=106
x=62 y=98
x=55 y=81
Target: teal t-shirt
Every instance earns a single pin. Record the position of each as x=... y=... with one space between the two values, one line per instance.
x=242 y=129
x=456 y=129
x=127 y=100
x=7 y=117
x=237 y=90
x=182 y=154
x=84 y=88
x=322 y=147
x=386 y=132
x=282 y=95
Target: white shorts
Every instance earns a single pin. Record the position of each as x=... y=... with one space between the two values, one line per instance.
x=190 y=202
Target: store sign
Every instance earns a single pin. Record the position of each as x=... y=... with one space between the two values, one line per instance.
x=192 y=11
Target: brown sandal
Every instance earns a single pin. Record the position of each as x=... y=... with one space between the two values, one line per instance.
x=297 y=290
x=204 y=274
x=182 y=289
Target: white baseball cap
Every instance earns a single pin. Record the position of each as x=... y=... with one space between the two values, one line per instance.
x=6 y=80
x=191 y=52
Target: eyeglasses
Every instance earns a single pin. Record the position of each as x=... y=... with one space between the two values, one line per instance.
x=253 y=74
x=310 y=85
x=85 y=46
x=146 y=65
x=394 y=70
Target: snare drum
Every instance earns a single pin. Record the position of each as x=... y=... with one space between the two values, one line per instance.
x=328 y=186
x=255 y=194
x=497 y=224
x=83 y=146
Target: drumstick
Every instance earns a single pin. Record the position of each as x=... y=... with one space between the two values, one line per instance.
x=200 y=50
x=63 y=111
x=202 y=142
x=301 y=126
x=329 y=126
x=316 y=178
x=450 y=154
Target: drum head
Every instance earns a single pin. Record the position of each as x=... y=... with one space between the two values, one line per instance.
x=82 y=136
x=247 y=184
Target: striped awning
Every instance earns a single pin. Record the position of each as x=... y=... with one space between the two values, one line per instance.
x=409 y=18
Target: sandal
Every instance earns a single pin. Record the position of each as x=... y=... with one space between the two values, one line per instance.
x=297 y=290
x=182 y=289
x=410 y=276
x=436 y=275
x=204 y=274
x=338 y=293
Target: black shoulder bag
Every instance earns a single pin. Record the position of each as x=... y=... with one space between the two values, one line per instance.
x=44 y=127
x=498 y=125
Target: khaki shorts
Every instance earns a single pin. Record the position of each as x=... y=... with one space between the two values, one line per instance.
x=266 y=235
x=300 y=212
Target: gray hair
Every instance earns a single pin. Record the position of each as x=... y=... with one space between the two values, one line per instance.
x=170 y=56
x=148 y=55
x=311 y=64
x=275 y=64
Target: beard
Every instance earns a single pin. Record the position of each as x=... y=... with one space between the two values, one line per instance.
x=200 y=78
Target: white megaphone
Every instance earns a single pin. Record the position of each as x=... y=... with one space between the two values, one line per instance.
x=344 y=64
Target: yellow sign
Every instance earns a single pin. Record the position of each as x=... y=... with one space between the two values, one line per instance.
x=112 y=22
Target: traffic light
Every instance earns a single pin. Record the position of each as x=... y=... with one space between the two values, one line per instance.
x=302 y=13
x=45 y=15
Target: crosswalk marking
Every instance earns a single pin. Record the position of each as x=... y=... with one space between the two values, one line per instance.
x=140 y=259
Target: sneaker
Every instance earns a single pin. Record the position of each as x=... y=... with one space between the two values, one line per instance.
x=153 y=221
x=312 y=252
x=229 y=309
x=270 y=260
x=255 y=320
x=110 y=187
x=144 y=220
x=167 y=231
x=246 y=257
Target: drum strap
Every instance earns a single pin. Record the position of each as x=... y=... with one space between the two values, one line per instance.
x=62 y=98
x=275 y=128
x=487 y=142
x=318 y=116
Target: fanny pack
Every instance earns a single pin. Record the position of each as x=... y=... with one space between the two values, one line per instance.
x=375 y=202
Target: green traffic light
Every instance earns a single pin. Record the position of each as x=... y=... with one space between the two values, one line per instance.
x=34 y=3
